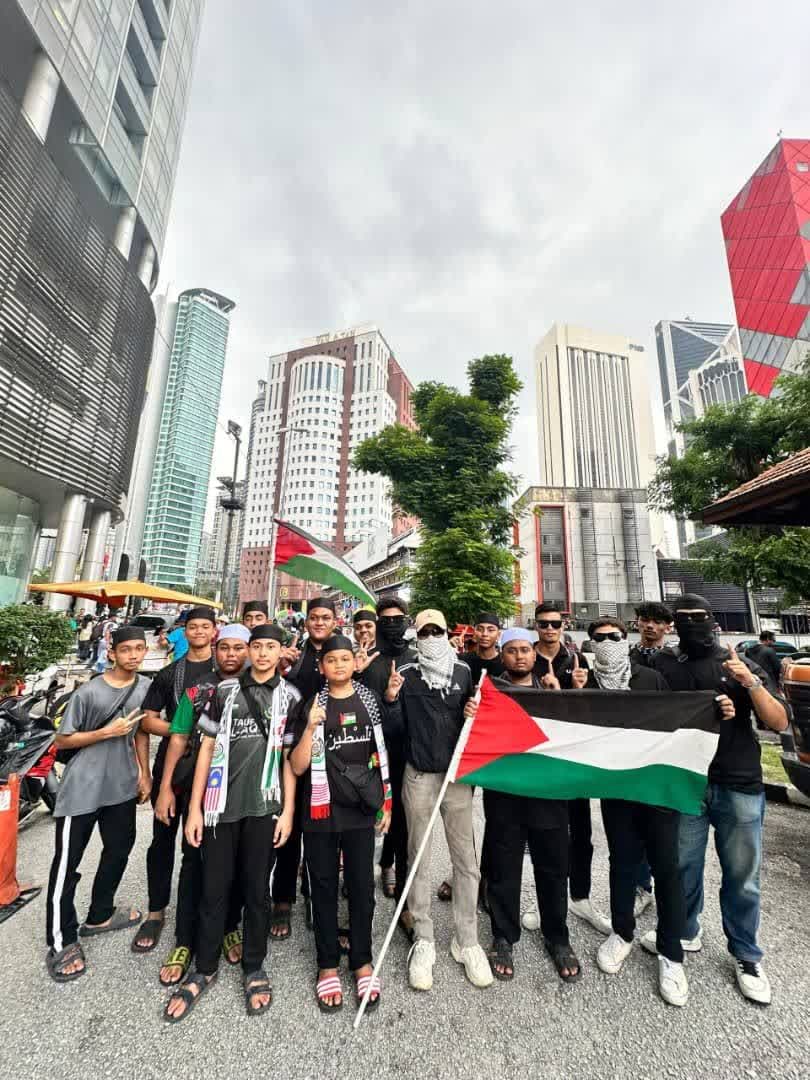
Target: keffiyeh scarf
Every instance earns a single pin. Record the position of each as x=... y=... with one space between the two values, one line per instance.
x=437 y=658
x=611 y=664
x=320 y=800
x=216 y=790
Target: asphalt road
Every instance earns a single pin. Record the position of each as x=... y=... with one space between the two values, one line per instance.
x=108 y=1024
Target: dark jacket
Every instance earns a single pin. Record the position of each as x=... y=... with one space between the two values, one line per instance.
x=476 y=664
x=375 y=677
x=431 y=720
x=563 y=664
x=767 y=658
x=305 y=674
x=644 y=657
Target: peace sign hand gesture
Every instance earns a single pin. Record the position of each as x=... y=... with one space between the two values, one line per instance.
x=362 y=659
x=395 y=681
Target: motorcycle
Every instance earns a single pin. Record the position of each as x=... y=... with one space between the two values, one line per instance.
x=27 y=747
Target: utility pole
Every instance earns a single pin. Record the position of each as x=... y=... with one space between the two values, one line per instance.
x=231 y=505
x=287 y=432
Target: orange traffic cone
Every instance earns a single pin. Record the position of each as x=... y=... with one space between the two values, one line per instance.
x=9 y=814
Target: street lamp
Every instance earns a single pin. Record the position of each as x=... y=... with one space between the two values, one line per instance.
x=231 y=506
x=291 y=429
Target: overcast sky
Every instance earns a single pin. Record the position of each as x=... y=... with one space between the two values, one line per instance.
x=463 y=174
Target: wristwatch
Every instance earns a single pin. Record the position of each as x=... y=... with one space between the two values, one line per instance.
x=755 y=683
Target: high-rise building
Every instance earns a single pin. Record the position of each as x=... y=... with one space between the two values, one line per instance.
x=593 y=410
x=766 y=228
x=318 y=403
x=585 y=529
x=92 y=106
x=700 y=364
x=179 y=488
x=219 y=539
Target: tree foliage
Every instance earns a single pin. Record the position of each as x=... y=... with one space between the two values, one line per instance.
x=449 y=474
x=726 y=447
x=31 y=638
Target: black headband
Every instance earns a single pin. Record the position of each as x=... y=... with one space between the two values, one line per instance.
x=127 y=633
x=202 y=612
x=364 y=615
x=488 y=617
x=320 y=602
x=336 y=641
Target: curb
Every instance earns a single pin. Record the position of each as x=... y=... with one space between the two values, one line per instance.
x=786 y=794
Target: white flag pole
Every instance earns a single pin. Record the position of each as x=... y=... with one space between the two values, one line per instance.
x=448 y=779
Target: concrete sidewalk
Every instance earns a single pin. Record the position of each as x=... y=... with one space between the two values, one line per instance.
x=108 y=1024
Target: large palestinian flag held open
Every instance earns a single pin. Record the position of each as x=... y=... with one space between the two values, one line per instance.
x=304 y=557
x=601 y=744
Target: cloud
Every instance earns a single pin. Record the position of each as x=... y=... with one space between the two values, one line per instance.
x=463 y=175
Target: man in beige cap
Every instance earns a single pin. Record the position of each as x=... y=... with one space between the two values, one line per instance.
x=433 y=695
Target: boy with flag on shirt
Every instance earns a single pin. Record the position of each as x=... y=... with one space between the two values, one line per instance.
x=241 y=811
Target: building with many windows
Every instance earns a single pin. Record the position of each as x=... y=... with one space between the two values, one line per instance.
x=92 y=105
x=766 y=228
x=179 y=488
x=318 y=403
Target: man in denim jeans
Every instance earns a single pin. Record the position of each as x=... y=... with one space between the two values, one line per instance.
x=735 y=797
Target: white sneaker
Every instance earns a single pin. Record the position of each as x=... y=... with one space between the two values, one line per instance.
x=643 y=901
x=421 y=959
x=476 y=965
x=530 y=920
x=648 y=942
x=672 y=982
x=612 y=954
x=753 y=982
x=586 y=910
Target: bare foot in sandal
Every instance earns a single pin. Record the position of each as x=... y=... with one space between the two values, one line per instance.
x=280 y=928
x=185 y=997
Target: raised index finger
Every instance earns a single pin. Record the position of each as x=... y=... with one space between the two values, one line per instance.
x=732 y=652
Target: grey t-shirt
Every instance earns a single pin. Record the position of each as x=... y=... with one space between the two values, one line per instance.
x=105 y=773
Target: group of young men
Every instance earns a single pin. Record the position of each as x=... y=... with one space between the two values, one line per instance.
x=272 y=757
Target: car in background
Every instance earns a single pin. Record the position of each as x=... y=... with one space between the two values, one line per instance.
x=153 y=622
x=781 y=648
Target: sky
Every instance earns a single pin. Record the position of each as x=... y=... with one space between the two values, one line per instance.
x=465 y=174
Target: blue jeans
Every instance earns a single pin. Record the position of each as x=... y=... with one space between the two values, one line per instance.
x=737 y=819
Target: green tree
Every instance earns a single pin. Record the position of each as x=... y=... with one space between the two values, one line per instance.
x=31 y=638
x=726 y=447
x=449 y=474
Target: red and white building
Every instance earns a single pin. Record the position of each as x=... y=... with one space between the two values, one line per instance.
x=318 y=403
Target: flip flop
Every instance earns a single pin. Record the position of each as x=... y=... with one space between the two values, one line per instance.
x=121 y=920
x=151 y=928
x=281 y=920
x=376 y=988
x=56 y=963
x=179 y=957
x=329 y=986
x=230 y=941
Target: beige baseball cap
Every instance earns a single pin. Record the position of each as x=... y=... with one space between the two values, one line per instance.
x=430 y=617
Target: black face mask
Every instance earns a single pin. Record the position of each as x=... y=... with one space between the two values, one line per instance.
x=391 y=634
x=695 y=639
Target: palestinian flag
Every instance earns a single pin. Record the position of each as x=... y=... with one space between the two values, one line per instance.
x=641 y=746
x=304 y=557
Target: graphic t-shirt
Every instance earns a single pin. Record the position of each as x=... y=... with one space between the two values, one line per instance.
x=166 y=692
x=349 y=740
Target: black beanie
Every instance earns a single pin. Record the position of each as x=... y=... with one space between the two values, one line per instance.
x=336 y=641
x=202 y=612
x=268 y=630
x=255 y=605
x=127 y=633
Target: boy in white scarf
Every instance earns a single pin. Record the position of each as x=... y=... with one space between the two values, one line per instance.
x=241 y=811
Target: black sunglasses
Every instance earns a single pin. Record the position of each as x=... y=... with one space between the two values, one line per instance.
x=692 y=616
x=613 y=635
x=430 y=631
x=548 y=624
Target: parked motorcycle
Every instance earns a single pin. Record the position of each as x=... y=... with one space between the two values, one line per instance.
x=27 y=747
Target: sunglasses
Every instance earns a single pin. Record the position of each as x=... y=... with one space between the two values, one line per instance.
x=692 y=616
x=430 y=631
x=548 y=624
x=613 y=635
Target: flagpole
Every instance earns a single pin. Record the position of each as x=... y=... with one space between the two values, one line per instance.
x=448 y=779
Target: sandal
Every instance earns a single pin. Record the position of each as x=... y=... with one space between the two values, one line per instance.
x=150 y=929
x=121 y=920
x=329 y=987
x=500 y=956
x=363 y=982
x=57 y=962
x=177 y=958
x=197 y=980
x=445 y=891
x=389 y=882
x=230 y=941
x=257 y=983
x=564 y=959
x=344 y=940
x=280 y=920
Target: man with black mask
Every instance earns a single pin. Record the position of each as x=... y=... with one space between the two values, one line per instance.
x=734 y=802
x=392 y=622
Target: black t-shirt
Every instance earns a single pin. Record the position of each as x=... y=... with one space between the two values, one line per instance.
x=349 y=740
x=304 y=674
x=476 y=664
x=767 y=658
x=736 y=764
x=167 y=688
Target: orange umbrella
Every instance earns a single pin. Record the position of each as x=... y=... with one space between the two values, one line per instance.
x=115 y=593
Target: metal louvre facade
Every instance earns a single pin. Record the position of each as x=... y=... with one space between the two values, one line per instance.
x=76 y=327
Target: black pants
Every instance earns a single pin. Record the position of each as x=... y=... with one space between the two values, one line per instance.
x=512 y=821
x=116 y=824
x=288 y=861
x=238 y=852
x=580 y=848
x=395 y=844
x=321 y=850
x=633 y=828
